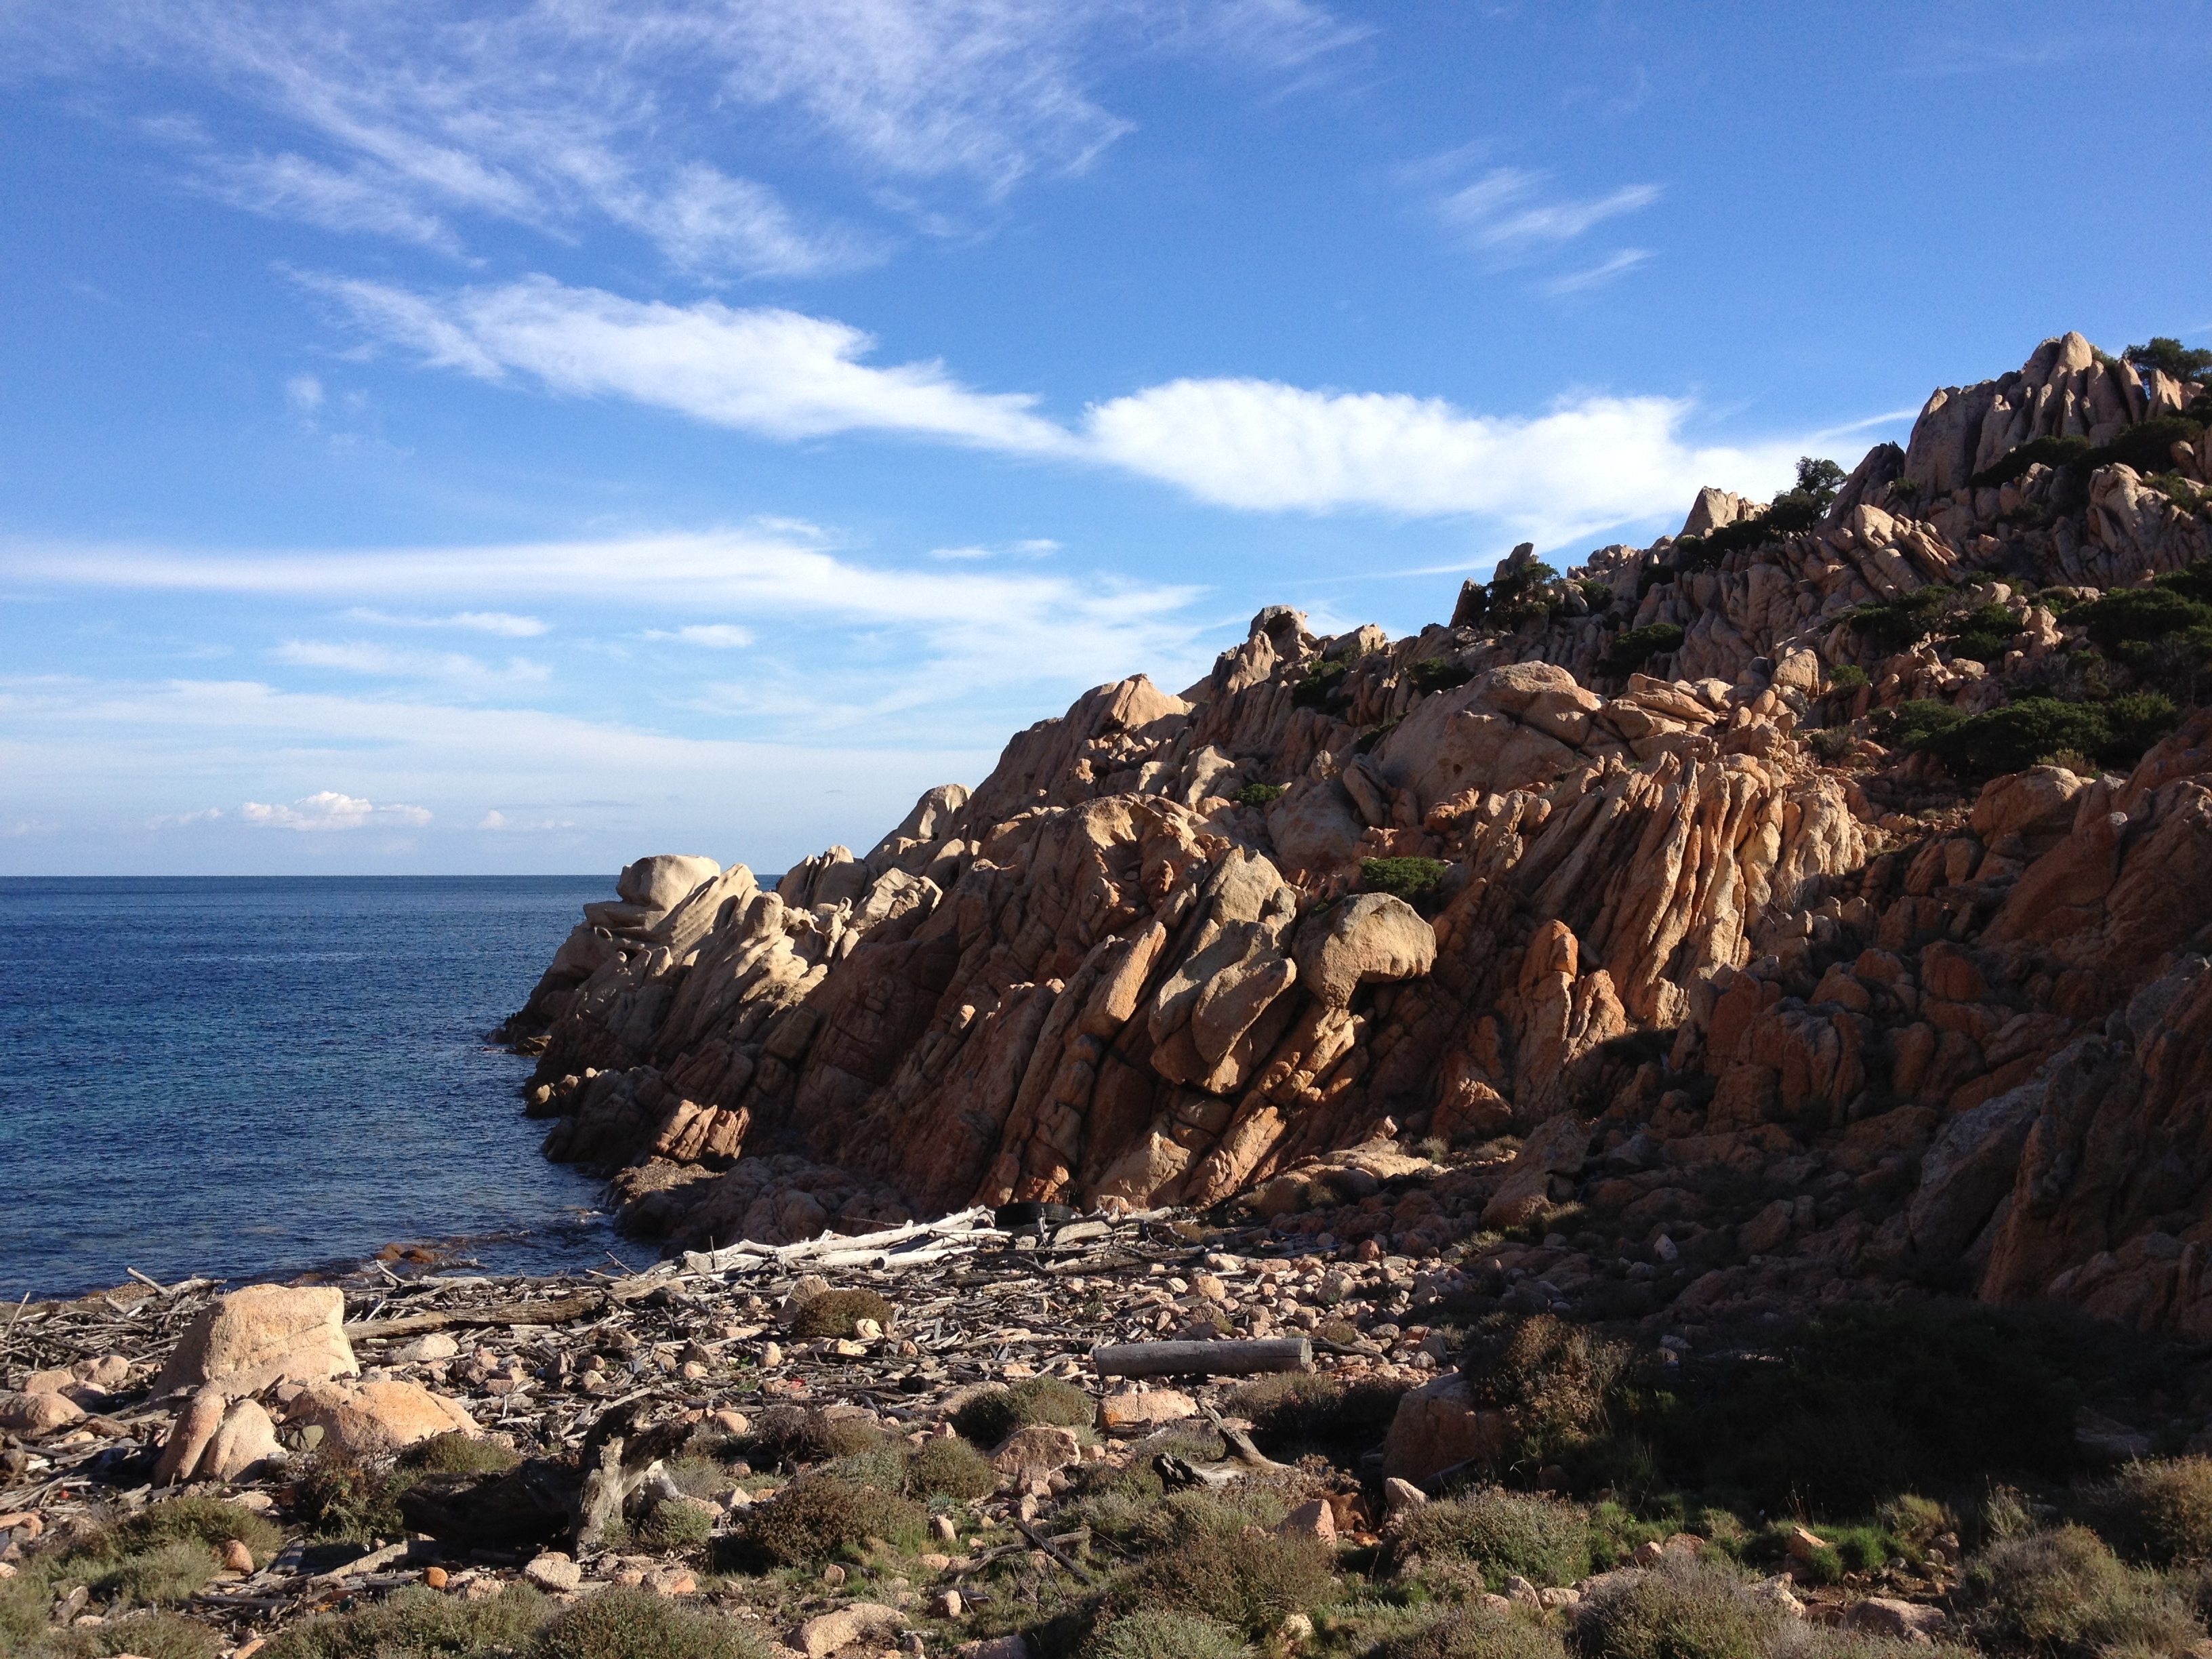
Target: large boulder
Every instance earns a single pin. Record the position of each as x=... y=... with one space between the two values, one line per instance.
x=650 y=888
x=262 y=1334
x=368 y=1419
x=2037 y=805
x=1438 y=1426
x=1371 y=937
x=1554 y=1151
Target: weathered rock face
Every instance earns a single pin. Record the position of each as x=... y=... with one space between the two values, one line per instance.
x=1665 y=938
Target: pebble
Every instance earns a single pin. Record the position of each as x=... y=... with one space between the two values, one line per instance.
x=555 y=1571
x=436 y=1577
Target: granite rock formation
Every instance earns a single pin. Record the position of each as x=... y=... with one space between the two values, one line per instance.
x=1749 y=974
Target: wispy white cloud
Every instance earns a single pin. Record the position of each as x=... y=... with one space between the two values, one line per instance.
x=363 y=657
x=657 y=115
x=1256 y=444
x=184 y=820
x=327 y=809
x=715 y=636
x=1503 y=215
x=505 y=624
x=1596 y=275
x=762 y=369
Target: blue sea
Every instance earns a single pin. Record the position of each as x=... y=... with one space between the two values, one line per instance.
x=246 y=1078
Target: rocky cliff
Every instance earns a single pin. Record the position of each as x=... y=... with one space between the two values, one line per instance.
x=1809 y=903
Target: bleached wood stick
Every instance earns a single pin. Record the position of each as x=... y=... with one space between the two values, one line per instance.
x=1240 y=1358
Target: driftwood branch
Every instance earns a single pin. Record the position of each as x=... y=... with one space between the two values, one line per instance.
x=1203 y=1358
x=1240 y=1444
x=554 y=1310
x=839 y=1251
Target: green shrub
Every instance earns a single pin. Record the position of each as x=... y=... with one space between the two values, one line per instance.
x=1474 y=1633
x=1322 y=681
x=1598 y=594
x=2158 y=1512
x=2063 y=1592
x=1916 y=1522
x=1260 y=794
x=989 y=1415
x=787 y=1432
x=145 y=1635
x=1553 y=1380
x=2148 y=446
x=209 y=1521
x=2193 y=583
x=1159 y=1634
x=1249 y=1581
x=1850 y=678
x=1437 y=674
x=419 y=1624
x=344 y=1501
x=835 y=1313
x=1295 y=1413
x=161 y=1574
x=947 y=1466
x=2141 y=613
x=1682 y=1609
x=635 y=1624
x=1544 y=1539
x=1831 y=744
x=1854 y=1405
x=1911 y=724
x=457 y=1454
x=1895 y=623
x=1635 y=647
x=673 y=1528
x=818 y=1516
x=1408 y=878
x=2058 y=452
x=2018 y=735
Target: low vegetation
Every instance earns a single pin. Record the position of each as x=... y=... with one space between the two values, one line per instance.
x=1408 y=878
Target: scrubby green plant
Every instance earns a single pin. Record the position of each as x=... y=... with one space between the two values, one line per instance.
x=948 y=1466
x=1407 y=878
x=1321 y=682
x=209 y=1521
x=989 y=1415
x=156 y=1576
x=1260 y=794
x=673 y=1527
x=1543 y=1538
x=457 y=1454
x=342 y=1500
x=144 y=1636
x=1475 y=1632
x=1437 y=674
x=819 y=1516
x=1829 y=744
x=1295 y=1413
x=837 y=1313
x=2063 y=1592
x=1895 y=623
x=635 y=1624
x=1598 y=594
x=1635 y=647
x=1916 y=1522
x=2158 y=1511
x=1249 y=1581
x=787 y=1432
x=1849 y=677
x=2016 y=736
x=2040 y=452
x=1553 y=1380
x=2140 y=614
x=1910 y=724
x=419 y=1624
x=1159 y=1634
x=1684 y=1608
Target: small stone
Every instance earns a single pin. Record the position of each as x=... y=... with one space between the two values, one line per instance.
x=867 y=1330
x=1802 y=1544
x=936 y=1561
x=1400 y=1496
x=833 y=1574
x=436 y=1345
x=771 y=1355
x=555 y=1571
x=1033 y=1453
x=1885 y=1615
x=1296 y=1628
x=676 y=1583
x=37 y=1413
x=1518 y=1588
x=691 y=1370
x=942 y=1529
x=730 y=1422
x=436 y=1577
x=1315 y=1520
x=863 y=1621
x=947 y=1604
x=236 y=1557
x=1133 y=1413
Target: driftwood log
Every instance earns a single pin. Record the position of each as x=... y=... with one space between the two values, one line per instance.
x=1286 y=1354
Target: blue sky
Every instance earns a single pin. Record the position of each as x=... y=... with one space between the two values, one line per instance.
x=549 y=433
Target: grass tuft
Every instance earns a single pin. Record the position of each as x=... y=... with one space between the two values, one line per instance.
x=1544 y=1539
x=455 y=1453
x=635 y=1624
x=820 y=1515
x=419 y=1624
x=835 y=1313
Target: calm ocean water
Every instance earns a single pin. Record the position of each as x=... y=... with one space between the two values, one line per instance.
x=241 y=1077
